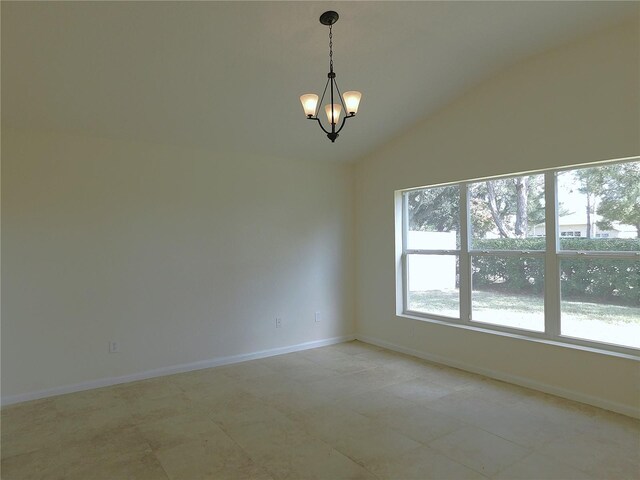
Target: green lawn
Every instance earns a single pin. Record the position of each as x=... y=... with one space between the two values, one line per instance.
x=446 y=303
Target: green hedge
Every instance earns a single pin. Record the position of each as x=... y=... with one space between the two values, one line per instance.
x=587 y=279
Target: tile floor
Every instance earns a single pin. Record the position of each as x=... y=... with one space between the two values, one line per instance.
x=346 y=411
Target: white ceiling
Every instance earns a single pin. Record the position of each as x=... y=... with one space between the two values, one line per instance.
x=227 y=75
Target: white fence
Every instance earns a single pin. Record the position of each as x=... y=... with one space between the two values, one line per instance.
x=432 y=272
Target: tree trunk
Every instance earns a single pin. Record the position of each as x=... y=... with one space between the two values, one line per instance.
x=522 y=219
x=588 y=215
x=495 y=214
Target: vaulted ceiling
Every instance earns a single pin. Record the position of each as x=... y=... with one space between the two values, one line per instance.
x=227 y=75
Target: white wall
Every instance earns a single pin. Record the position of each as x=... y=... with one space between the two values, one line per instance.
x=180 y=255
x=575 y=104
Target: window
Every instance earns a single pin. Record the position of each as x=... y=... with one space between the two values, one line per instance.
x=507 y=265
x=494 y=254
x=433 y=247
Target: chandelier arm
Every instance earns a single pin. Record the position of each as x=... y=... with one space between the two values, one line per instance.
x=333 y=122
x=322 y=99
x=340 y=96
x=344 y=119
x=320 y=123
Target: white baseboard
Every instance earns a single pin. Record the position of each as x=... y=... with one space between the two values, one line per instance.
x=159 y=372
x=506 y=377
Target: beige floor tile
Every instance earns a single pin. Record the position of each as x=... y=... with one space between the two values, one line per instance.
x=482 y=451
x=614 y=429
x=71 y=459
x=89 y=401
x=31 y=439
x=598 y=455
x=537 y=467
x=370 y=448
x=247 y=370
x=300 y=359
x=210 y=389
x=339 y=387
x=419 y=390
x=343 y=363
x=62 y=428
x=509 y=421
x=33 y=465
x=139 y=467
x=310 y=374
x=322 y=355
x=345 y=411
x=173 y=431
x=28 y=426
x=381 y=356
x=454 y=378
x=374 y=403
x=466 y=405
x=268 y=385
x=299 y=368
x=150 y=389
x=28 y=413
x=21 y=436
x=381 y=376
x=291 y=453
x=572 y=415
x=416 y=367
x=495 y=391
x=354 y=348
x=296 y=400
x=334 y=424
x=420 y=423
x=422 y=463
x=212 y=459
x=149 y=410
x=203 y=379
x=240 y=409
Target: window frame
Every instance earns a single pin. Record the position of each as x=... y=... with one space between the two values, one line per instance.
x=552 y=255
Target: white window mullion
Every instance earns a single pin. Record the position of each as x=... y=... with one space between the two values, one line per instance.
x=465 y=260
x=552 y=266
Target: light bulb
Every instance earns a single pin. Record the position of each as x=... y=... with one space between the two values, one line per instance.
x=337 y=109
x=309 y=102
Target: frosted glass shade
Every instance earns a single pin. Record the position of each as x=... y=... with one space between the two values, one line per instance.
x=309 y=103
x=352 y=100
x=337 y=109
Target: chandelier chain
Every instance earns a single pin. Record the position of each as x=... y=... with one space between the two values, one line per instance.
x=331 y=48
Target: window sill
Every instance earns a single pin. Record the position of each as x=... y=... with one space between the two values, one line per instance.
x=521 y=336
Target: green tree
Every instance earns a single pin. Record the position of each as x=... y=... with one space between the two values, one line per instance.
x=434 y=209
x=511 y=204
x=619 y=191
x=507 y=205
x=591 y=181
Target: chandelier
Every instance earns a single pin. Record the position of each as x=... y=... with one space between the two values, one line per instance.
x=348 y=102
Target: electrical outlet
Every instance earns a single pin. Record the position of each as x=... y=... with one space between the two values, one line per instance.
x=114 y=347
x=278 y=322
x=317 y=317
